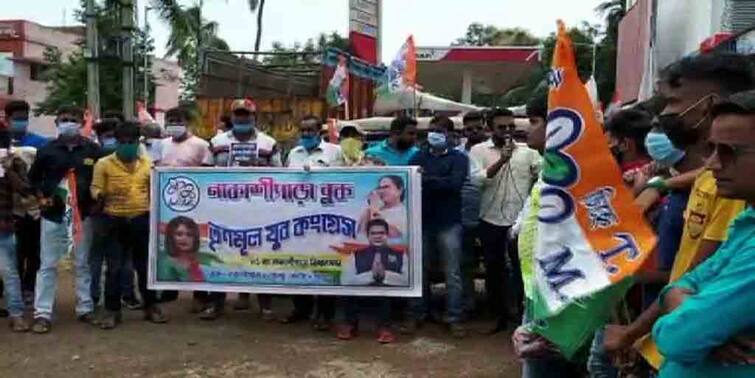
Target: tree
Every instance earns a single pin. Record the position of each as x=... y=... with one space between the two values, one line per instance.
x=66 y=77
x=188 y=36
x=313 y=46
x=612 y=11
x=489 y=35
x=257 y=6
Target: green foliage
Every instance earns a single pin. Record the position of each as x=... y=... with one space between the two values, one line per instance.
x=314 y=46
x=489 y=35
x=66 y=77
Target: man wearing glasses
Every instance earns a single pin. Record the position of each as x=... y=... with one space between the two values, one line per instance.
x=508 y=171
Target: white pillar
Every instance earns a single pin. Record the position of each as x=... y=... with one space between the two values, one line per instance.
x=466 y=87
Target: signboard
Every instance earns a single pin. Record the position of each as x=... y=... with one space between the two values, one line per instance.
x=332 y=231
x=431 y=53
x=365 y=18
x=365 y=29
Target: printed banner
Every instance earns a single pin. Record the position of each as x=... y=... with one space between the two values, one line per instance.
x=331 y=231
x=591 y=235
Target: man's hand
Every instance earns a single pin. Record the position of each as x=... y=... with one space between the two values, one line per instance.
x=738 y=351
x=616 y=339
x=507 y=151
x=674 y=298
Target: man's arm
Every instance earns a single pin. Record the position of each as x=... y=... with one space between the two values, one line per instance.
x=707 y=249
x=98 y=181
x=454 y=181
x=619 y=338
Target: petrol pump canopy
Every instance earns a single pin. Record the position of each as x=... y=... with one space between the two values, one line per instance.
x=492 y=70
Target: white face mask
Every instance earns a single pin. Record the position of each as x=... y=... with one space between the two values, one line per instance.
x=175 y=131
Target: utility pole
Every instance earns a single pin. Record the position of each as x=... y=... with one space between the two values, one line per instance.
x=127 y=56
x=146 y=56
x=91 y=55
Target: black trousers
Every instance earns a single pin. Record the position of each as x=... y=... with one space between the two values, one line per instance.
x=27 y=250
x=503 y=277
x=325 y=306
x=129 y=240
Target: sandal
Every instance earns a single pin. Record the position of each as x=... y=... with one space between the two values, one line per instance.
x=155 y=315
x=41 y=325
x=110 y=320
x=18 y=324
x=385 y=336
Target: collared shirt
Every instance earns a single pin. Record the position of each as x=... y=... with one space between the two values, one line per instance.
x=265 y=149
x=502 y=196
x=192 y=152
x=124 y=186
x=51 y=166
x=707 y=217
x=324 y=155
x=31 y=140
x=719 y=309
x=389 y=155
x=470 y=192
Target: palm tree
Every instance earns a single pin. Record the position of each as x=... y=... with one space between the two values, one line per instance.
x=187 y=33
x=257 y=6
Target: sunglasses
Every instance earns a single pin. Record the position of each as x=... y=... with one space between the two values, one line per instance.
x=729 y=153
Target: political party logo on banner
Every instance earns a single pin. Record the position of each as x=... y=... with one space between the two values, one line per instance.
x=590 y=235
x=330 y=231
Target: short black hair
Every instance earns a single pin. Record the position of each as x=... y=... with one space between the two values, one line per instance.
x=400 y=123
x=537 y=106
x=377 y=222
x=117 y=114
x=177 y=112
x=443 y=122
x=311 y=117
x=72 y=110
x=16 y=106
x=473 y=116
x=631 y=124
x=731 y=72
x=106 y=125
x=128 y=129
x=498 y=112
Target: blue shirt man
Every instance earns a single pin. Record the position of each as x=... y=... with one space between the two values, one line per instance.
x=399 y=148
x=709 y=327
x=17 y=113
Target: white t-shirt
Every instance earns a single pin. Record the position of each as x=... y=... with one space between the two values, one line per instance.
x=325 y=155
x=192 y=152
x=231 y=152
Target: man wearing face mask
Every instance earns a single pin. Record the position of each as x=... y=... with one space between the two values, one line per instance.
x=152 y=137
x=69 y=156
x=181 y=148
x=312 y=151
x=508 y=172
x=27 y=222
x=399 y=148
x=444 y=171
x=121 y=186
x=242 y=146
x=691 y=87
x=626 y=131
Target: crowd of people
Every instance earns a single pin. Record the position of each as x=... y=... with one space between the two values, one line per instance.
x=686 y=155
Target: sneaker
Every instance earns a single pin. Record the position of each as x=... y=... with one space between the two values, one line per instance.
x=110 y=320
x=41 y=325
x=346 y=332
x=18 y=324
x=155 y=315
x=132 y=304
x=211 y=313
x=88 y=318
x=268 y=315
x=410 y=326
x=385 y=336
x=242 y=303
x=457 y=330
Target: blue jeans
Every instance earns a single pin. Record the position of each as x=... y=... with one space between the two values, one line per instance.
x=54 y=245
x=599 y=364
x=97 y=258
x=444 y=243
x=11 y=279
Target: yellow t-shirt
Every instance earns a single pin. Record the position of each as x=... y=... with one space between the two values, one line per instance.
x=125 y=187
x=707 y=217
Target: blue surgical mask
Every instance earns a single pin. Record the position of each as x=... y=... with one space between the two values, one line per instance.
x=309 y=142
x=661 y=149
x=109 y=144
x=437 y=140
x=244 y=128
x=68 y=129
x=19 y=126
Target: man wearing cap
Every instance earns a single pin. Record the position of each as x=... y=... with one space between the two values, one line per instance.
x=245 y=146
x=707 y=328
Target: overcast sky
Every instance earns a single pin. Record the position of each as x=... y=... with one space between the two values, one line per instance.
x=433 y=22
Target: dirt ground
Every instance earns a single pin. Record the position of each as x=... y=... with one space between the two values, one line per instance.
x=241 y=345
